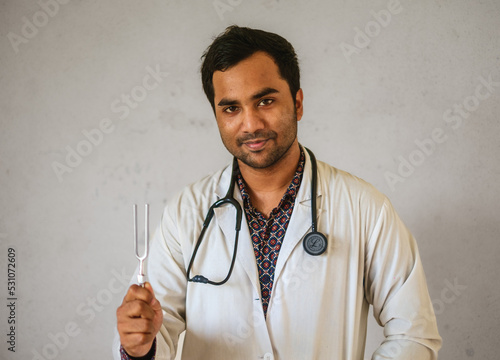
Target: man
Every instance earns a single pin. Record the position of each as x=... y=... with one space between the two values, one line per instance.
x=280 y=300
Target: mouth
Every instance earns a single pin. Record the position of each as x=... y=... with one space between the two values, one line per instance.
x=256 y=144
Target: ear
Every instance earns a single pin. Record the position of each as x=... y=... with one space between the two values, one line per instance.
x=299 y=97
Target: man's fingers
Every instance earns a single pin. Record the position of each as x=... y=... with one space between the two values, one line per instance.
x=138 y=326
x=138 y=318
x=136 y=292
x=136 y=309
x=137 y=340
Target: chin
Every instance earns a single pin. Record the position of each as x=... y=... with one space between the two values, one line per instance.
x=259 y=160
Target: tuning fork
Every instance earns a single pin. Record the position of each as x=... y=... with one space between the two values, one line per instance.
x=141 y=276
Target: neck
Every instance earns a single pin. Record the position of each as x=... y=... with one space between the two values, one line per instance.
x=267 y=186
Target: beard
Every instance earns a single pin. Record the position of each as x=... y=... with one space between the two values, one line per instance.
x=270 y=155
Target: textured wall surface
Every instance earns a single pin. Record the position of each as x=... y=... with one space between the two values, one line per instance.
x=102 y=107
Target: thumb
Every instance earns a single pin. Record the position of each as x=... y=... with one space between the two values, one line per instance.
x=155 y=304
x=148 y=286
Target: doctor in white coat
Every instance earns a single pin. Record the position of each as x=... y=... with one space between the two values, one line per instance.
x=311 y=306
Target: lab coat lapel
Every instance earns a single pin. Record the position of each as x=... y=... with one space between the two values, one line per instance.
x=300 y=222
x=226 y=217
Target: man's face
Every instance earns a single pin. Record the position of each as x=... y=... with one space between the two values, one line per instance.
x=256 y=114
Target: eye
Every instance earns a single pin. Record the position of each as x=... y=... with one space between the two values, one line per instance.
x=230 y=109
x=265 y=102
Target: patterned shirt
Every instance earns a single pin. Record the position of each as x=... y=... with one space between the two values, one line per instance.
x=267 y=234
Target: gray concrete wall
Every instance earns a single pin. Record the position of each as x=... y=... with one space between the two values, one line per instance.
x=404 y=94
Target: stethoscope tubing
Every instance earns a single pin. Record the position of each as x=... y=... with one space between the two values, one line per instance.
x=314 y=242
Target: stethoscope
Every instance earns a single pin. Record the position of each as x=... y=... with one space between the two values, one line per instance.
x=315 y=243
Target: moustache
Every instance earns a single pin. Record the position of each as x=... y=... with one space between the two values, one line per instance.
x=259 y=134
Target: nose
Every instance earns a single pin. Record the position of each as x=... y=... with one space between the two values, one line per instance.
x=252 y=120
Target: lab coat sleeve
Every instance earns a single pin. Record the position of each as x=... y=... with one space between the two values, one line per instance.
x=396 y=287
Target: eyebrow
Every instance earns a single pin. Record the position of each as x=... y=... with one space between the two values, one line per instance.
x=264 y=92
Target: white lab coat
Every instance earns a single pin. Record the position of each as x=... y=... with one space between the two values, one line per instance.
x=319 y=304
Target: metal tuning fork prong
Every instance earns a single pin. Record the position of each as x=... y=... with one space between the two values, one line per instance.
x=141 y=277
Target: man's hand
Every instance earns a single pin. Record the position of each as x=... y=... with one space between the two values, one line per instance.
x=139 y=319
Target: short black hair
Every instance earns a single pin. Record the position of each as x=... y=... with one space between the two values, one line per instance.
x=239 y=43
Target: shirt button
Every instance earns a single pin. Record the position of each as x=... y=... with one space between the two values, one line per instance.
x=268 y=356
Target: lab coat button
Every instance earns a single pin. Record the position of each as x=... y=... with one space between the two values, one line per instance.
x=268 y=356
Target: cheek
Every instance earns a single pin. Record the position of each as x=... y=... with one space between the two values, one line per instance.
x=227 y=124
x=226 y=130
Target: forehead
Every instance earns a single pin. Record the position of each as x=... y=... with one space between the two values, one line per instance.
x=248 y=76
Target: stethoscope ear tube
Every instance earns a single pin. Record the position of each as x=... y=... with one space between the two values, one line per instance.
x=228 y=199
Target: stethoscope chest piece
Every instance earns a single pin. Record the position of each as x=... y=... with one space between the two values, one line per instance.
x=315 y=243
